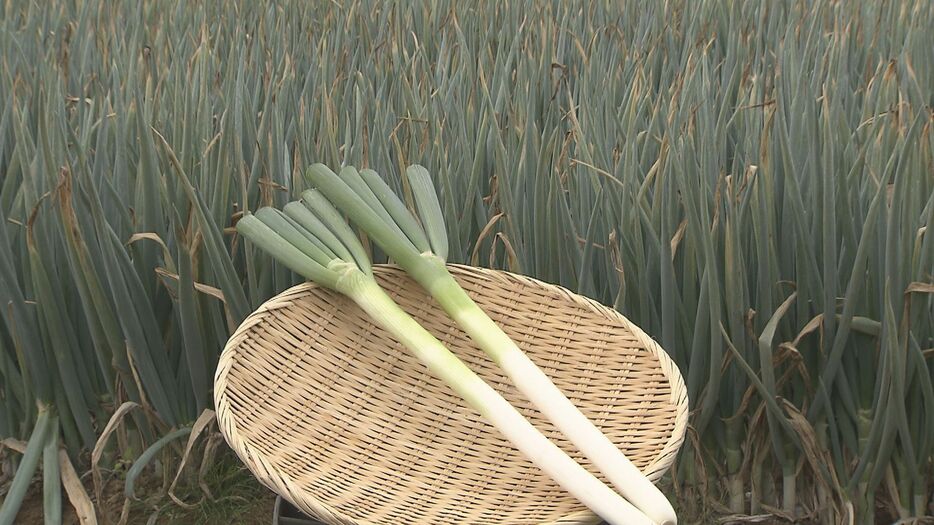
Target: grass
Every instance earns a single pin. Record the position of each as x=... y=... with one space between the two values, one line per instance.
x=752 y=183
x=235 y=497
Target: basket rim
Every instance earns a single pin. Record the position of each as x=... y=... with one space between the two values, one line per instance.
x=281 y=483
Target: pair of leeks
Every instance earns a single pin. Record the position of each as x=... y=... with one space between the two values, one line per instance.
x=312 y=238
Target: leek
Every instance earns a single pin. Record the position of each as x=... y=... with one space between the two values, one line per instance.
x=421 y=251
x=313 y=240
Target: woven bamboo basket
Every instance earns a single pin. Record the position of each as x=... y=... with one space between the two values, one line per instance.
x=333 y=414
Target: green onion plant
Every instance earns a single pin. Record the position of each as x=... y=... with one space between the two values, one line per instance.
x=419 y=246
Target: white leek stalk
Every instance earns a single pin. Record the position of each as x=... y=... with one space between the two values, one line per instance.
x=314 y=241
x=420 y=249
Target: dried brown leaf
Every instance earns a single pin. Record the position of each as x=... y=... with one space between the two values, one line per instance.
x=204 y=421
x=76 y=492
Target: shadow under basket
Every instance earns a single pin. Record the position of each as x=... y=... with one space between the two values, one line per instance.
x=333 y=414
x=284 y=513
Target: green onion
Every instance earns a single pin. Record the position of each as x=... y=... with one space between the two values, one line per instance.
x=16 y=492
x=428 y=268
x=308 y=239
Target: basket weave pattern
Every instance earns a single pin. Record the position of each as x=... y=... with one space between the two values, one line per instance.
x=332 y=413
